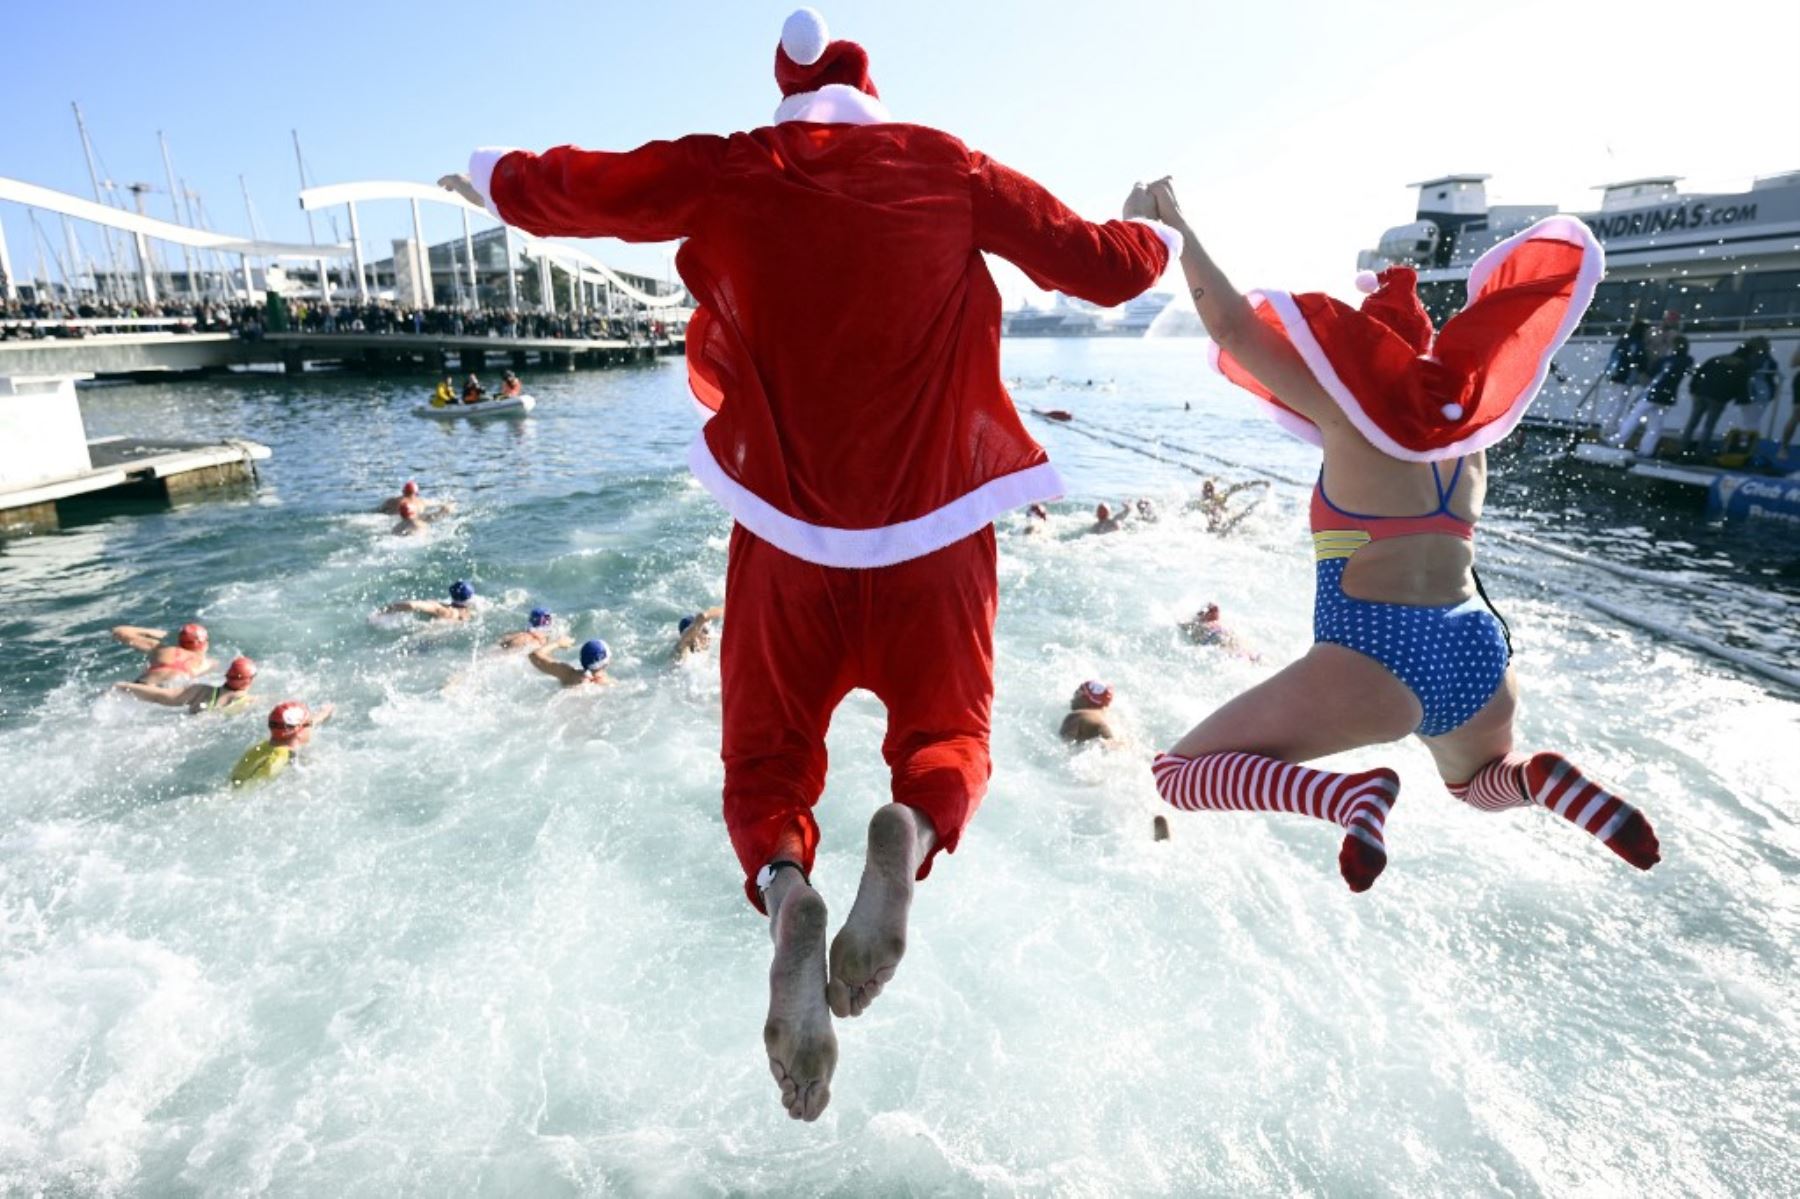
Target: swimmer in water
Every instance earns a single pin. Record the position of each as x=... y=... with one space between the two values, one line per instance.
x=1037 y=520
x=1404 y=640
x=1213 y=503
x=1087 y=719
x=694 y=633
x=1146 y=509
x=178 y=663
x=535 y=635
x=414 y=520
x=1108 y=521
x=232 y=695
x=409 y=490
x=461 y=595
x=428 y=508
x=1207 y=629
x=594 y=656
x=291 y=727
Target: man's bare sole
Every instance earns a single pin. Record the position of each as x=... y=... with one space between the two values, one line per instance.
x=868 y=949
x=801 y=1045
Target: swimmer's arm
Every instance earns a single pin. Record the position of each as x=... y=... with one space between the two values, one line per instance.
x=562 y=672
x=140 y=639
x=421 y=607
x=325 y=712
x=167 y=697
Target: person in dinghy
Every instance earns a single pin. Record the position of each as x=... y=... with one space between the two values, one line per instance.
x=846 y=346
x=1404 y=639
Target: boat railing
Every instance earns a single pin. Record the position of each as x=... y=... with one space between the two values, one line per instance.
x=1613 y=326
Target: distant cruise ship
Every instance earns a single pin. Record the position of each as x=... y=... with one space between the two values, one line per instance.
x=1076 y=318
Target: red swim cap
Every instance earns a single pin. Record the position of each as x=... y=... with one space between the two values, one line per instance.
x=193 y=636
x=286 y=721
x=409 y=488
x=239 y=674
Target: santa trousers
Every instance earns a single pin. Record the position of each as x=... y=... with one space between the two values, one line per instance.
x=799 y=636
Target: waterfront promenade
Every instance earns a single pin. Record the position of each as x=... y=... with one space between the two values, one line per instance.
x=159 y=350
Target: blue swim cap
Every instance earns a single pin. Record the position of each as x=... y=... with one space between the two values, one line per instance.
x=461 y=593
x=594 y=653
x=684 y=624
x=540 y=617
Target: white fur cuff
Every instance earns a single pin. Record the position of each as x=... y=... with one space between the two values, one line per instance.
x=1171 y=238
x=481 y=174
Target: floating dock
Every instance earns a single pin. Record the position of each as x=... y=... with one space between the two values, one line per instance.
x=46 y=459
x=1734 y=494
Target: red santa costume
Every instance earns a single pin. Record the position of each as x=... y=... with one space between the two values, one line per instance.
x=1425 y=395
x=846 y=345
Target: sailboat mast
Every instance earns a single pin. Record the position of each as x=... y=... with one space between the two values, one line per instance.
x=87 y=149
x=187 y=253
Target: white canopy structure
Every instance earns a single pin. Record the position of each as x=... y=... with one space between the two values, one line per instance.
x=142 y=227
x=578 y=261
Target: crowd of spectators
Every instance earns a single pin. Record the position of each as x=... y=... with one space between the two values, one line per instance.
x=56 y=318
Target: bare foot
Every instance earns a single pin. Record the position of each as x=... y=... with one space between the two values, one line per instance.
x=869 y=947
x=802 y=1048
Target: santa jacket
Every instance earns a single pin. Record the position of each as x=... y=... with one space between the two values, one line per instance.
x=848 y=333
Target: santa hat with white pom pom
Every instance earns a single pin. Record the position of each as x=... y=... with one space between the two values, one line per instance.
x=821 y=80
x=1424 y=395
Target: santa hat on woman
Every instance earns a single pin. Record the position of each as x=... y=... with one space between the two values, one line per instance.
x=1425 y=395
x=821 y=80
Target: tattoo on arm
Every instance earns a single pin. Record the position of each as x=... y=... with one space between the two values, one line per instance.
x=1198 y=293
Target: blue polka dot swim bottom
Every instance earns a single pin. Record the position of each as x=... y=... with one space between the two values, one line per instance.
x=1452 y=657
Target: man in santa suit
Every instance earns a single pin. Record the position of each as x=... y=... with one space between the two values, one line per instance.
x=847 y=345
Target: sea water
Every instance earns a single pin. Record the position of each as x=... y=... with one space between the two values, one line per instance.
x=489 y=938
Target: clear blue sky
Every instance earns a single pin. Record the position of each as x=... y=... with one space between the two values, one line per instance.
x=1291 y=125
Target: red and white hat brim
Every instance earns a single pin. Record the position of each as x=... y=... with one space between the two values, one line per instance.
x=1510 y=355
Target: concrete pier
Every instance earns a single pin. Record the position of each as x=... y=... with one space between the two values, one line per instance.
x=46 y=460
x=158 y=352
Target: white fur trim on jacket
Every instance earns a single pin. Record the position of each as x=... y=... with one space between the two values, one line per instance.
x=481 y=173
x=833 y=104
x=868 y=548
x=1171 y=238
x=1555 y=228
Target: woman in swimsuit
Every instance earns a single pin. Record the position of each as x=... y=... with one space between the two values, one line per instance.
x=232 y=695
x=1403 y=640
x=167 y=663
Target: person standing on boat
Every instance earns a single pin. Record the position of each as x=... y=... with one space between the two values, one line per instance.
x=1764 y=384
x=1404 y=642
x=846 y=342
x=1626 y=368
x=1719 y=383
x=1660 y=341
x=1793 y=425
x=1653 y=406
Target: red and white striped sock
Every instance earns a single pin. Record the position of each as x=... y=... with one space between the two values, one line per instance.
x=1236 y=782
x=1550 y=780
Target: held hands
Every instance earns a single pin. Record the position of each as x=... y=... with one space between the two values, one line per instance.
x=1168 y=208
x=1140 y=205
x=462 y=186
